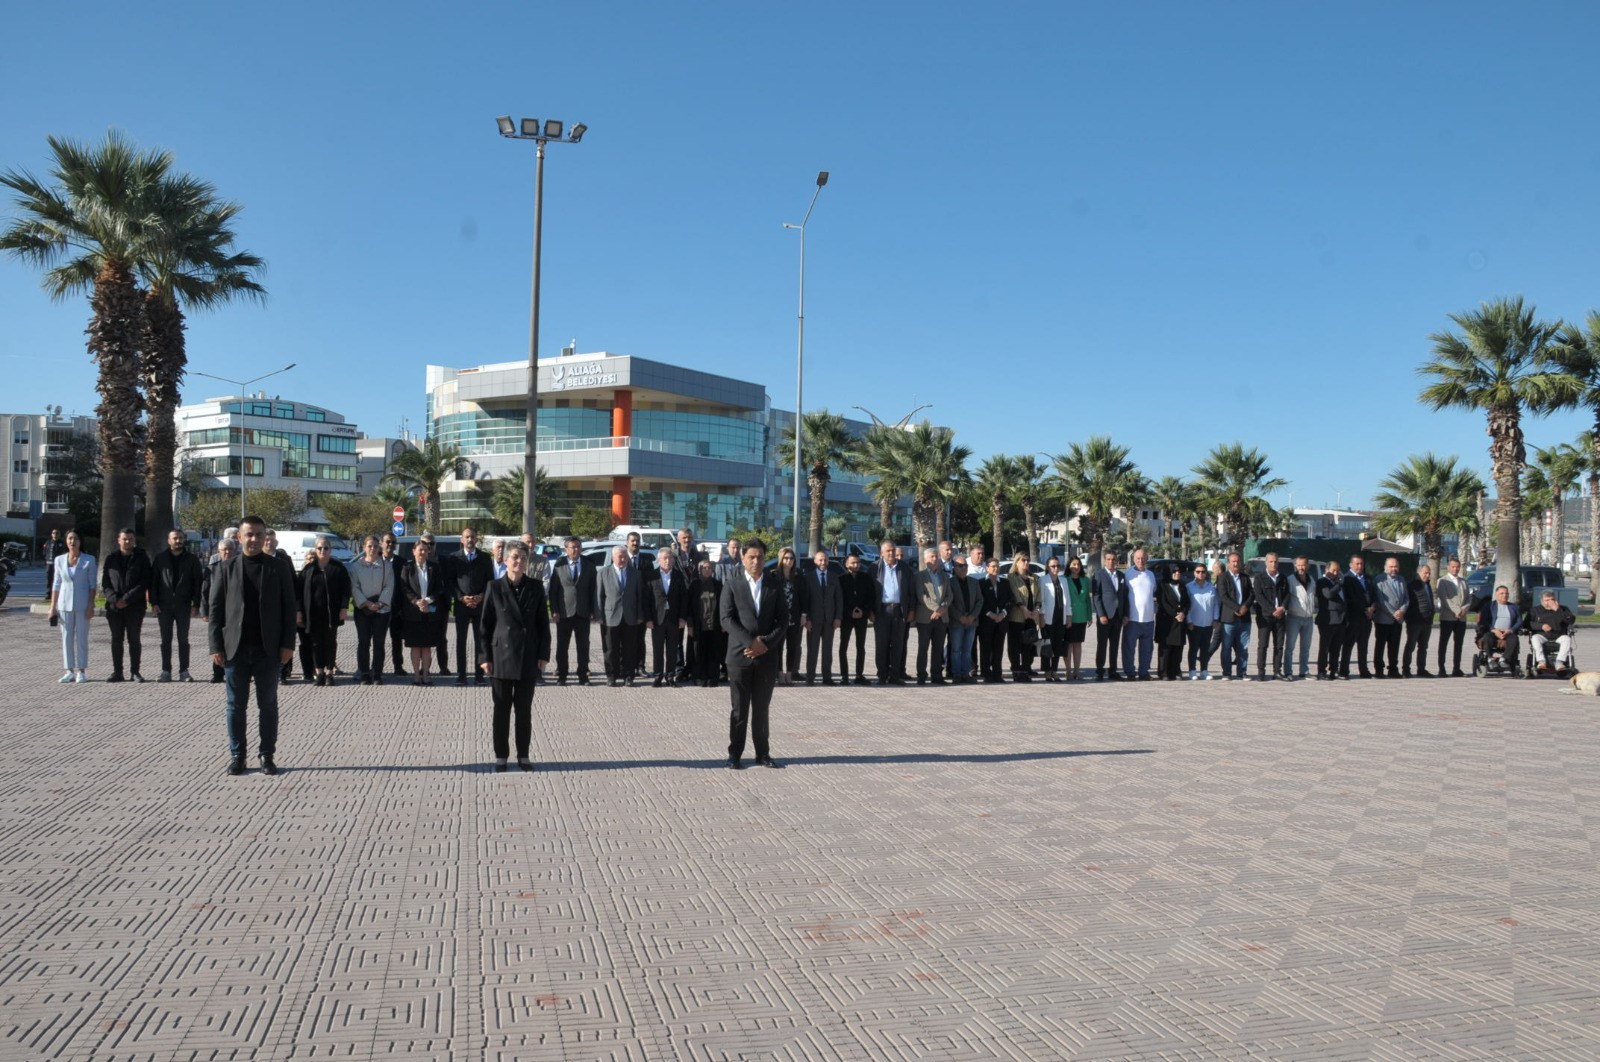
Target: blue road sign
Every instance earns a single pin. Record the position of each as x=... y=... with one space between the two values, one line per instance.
x=399 y=527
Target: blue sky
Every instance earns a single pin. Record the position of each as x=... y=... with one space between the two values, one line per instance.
x=1179 y=224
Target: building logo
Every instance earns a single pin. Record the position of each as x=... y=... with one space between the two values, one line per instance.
x=566 y=377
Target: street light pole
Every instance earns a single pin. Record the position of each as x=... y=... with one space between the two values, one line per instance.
x=540 y=134
x=800 y=360
x=241 y=385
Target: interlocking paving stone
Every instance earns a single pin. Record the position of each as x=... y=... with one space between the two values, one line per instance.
x=1364 y=870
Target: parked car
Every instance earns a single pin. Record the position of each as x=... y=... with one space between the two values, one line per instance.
x=1536 y=578
x=295 y=543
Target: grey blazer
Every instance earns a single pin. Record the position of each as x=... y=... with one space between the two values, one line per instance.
x=1105 y=593
x=618 y=603
x=1391 y=594
x=933 y=595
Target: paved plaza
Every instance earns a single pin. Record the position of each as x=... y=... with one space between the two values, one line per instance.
x=1356 y=870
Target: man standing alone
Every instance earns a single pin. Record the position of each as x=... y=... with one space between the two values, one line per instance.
x=515 y=646
x=755 y=620
x=252 y=629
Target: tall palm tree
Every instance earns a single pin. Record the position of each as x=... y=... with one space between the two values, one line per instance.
x=1536 y=498
x=191 y=263
x=1029 y=493
x=1232 y=480
x=1563 y=465
x=1175 y=499
x=424 y=470
x=89 y=229
x=826 y=444
x=1591 y=471
x=1428 y=496
x=996 y=482
x=505 y=502
x=1579 y=354
x=1503 y=363
x=1098 y=478
x=879 y=459
x=935 y=470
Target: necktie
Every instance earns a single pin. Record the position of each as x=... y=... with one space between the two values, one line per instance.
x=622 y=578
x=822 y=577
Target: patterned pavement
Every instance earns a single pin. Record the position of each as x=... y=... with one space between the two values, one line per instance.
x=1363 y=870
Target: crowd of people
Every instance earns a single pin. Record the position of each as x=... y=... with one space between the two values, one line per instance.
x=975 y=621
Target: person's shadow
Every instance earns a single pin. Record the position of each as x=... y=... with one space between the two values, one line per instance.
x=552 y=766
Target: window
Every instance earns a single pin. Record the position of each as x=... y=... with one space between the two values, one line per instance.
x=315 y=414
x=335 y=472
x=229 y=466
x=284 y=413
x=259 y=409
x=19 y=496
x=335 y=444
x=20 y=439
x=20 y=467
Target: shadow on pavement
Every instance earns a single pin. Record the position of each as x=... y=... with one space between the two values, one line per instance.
x=721 y=761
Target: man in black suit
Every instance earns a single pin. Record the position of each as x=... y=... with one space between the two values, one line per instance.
x=1234 y=597
x=175 y=579
x=896 y=590
x=1333 y=653
x=858 y=600
x=621 y=603
x=1270 y=603
x=397 y=564
x=824 y=615
x=996 y=602
x=572 y=596
x=1107 y=592
x=1360 y=597
x=640 y=562
x=667 y=618
x=125 y=581
x=514 y=649
x=468 y=574
x=1419 y=621
x=252 y=625
x=933 y=617
x=756 y=620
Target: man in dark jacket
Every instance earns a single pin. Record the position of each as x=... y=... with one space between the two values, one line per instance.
x=824 y=608
x=125 y=581
x=572 y=594
x=1333 y=655
x=1419 y=621
x=1361 y=604
x=513 y=650
x=857 y=601
x=667 y=618
x=1107 y=592
x=1270 y=602
x=1235 y=595
x=175 y=595
x=755 y=619
x=397 y=564
x=469 y=574
x=996 y=598
x=1551 y=619
x=252 y=627
x=896 y=589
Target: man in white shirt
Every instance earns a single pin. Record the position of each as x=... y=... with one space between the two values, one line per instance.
x=1139 y=617
x=1452 y=595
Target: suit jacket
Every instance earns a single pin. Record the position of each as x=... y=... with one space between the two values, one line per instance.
x=1171 y=599
x=468 y=578
x=618 y=603
x=276 y=607
x=515 y=638
x=745 y=622
x=824 y=605
x=1106 y=591
x=1047 y=600
x=639 y=562
x=857 y=590
x=996 y=597
x=1424 y=602
x=1486 y=617
x=908 y=584
x=572 y=598
x=1268 y=590
x=1332 y=609
x=411 y=588
x=338 y=577
x=1391 y=594
x=667 y=607
x=1231 y=600
x=933 y=595
x=175 y=581
x=1451 y=593
x=74 y=589
x=1357 y=599
x=126 y=577
x=966 y=600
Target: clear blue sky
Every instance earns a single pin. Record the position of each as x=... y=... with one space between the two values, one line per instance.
x=1177 y=223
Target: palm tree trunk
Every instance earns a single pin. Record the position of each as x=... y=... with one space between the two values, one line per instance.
x=1029 y=519
x=819 y=497
x=938 y=524
x=162 y=362
x=1557 y=532
x=1594 y=522
x=114 y=326
x=885 y=514
x=923 y=524
x=999 y=509
x=1507 y=455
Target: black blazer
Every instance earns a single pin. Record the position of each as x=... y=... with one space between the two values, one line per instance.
x=514 y=639
x=1358 y=599
x=338 y=590
x=277 y=605
x=410 y=587
x=745 y=623
x=1229 y=601
x=1332 y=611
x=908 y=586
x=1267 y=588
x=858 y=590
x=1423 y=605
x=668 y=607
x=997 y=597
x=1171 y=599
x=126 y=577
x=569 y=598
x=176 y=581
x=468 y=578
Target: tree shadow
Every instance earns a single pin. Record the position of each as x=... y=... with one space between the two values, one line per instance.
x=719 y=763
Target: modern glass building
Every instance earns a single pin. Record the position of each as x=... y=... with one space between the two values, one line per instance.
x=657 y=445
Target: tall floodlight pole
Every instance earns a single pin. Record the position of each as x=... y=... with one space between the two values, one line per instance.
x=540 y=134
x=241 y=385
x=800 y=363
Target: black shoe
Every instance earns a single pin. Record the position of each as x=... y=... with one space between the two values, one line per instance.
x=863 y=681
x=937 y=682
x=524 y=765
x=768 y=761
x=216 y=678
x=561 y=680
x=399 y=672
x=1424 y=673
x=616 y=682
x=1457 y=673
x=461 y=680
x=480 y=680
x=444 y=672
x=628 y=682
x=657 y=682
x=267 y=766
x=1113 y=676
x=829 y=682
x=366 y=680
x=236 y=765
x=137 y=677
x=318 y=681
x=500 y=768
x=116 y=676
x=735 y=764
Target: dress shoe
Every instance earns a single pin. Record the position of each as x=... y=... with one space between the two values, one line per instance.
x=735 y=764
x=657 y=683
x=136 y=677
x=320 y=680
x=216 y=678
x=267 y=766
x=236 y=765
x=366 y=680
x=1424 y=673
x=480 y=680
x=116 y=676
x=829 y=682
x=1112 y=676
x=628 y=682
x=165 y=676
x=1457 y=673
x=461 y=680
x=184 y=676
x=768 y=761
x=937 y=682
x=616 y=682
x=524 y=765
x=500 y=767
x=583 y=680
x=561 y=680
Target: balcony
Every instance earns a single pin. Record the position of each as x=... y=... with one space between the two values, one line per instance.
x=517 y=445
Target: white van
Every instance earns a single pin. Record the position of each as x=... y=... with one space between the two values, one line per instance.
x=296 y=543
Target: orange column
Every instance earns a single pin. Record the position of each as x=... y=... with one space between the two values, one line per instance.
x=621 y=417
x=622 y=499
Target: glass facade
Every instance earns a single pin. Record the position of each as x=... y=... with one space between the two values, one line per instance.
x=229 y=466
x=499 y=431
x=713 y=515
x=335 y=444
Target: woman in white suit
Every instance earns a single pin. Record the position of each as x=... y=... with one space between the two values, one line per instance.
x=72 y=605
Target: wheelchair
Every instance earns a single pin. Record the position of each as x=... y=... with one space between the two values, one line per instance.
x=1545 y=666
x=1491 y=662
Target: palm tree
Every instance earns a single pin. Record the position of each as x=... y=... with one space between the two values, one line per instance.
x=1098 y=478
x=1175 y=500
x=1591 y=470
x=1428 y=496
x=1562 y=465
x=879 y=459
x=424 y=470
x=1029 y=490
x=191 y=263
x=826 y=443
x=89 y=230
x=1232 y=480
x=506 y=500
x=1536 y=497
x=996 y=482
x=1502 y=363
x=1579 y=354
x=935 y=469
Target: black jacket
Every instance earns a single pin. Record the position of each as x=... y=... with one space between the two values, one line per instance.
x=745 y=623
x=1331 y=608
x=176 y=581
x=668 y=607
x=859 y=590
x=338 y=577
x=515 y=638
x=1559 y=618
x=1358 y=598
x=276 y=607
x=1268 y=590
x=409 y=586
x=1423 y=604
x=1230 y=601
x=468 y=578
x=1171 y=599
x=126 y=577
x=907 y=576
x=997 y=597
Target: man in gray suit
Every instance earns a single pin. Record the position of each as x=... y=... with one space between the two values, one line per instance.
x=1105 y=597
x=619 y=599
x=933 y=611
x=251 y=626
x=966 y=608
x=824 y=609
x=1393 y=598
x=755 y=619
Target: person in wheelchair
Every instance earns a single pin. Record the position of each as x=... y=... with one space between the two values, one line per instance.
x=1498 y=623
x=1551 y=620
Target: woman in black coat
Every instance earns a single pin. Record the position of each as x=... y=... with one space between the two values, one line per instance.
x=1172 y=608
x=794 y=599
x=707 y=643
x=425 y=598
x=324 y=606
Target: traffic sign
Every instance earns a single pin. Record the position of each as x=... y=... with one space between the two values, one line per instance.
x=399 y=527
x=399 y=514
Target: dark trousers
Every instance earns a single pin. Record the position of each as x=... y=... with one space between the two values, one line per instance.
x=621 y=650
x=1451 y=629
x=638 y=647
x=1387 y=643
x=991 y=648
x=371 y=627
x=788 y=650
x=857 y=627
x=252 y=664
x=307 y=653
x=750 y=691
x=1202 y=643
x=468 y=620
x=891 y=643
x=1417 y=638
x=569 y=631
x=930 y=638
x=324 y=637
x=126 y=625
x=174 y=621
x=1018 y=647
x=1171 y=663
x=1108 y=643
x=666 y=648
x=819 y=639
x=509 y=694
x=710 y=648
x=1356 y=630
x=1268 y=661
x=1333 y=651
x=441 y=648
x=397 y=646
